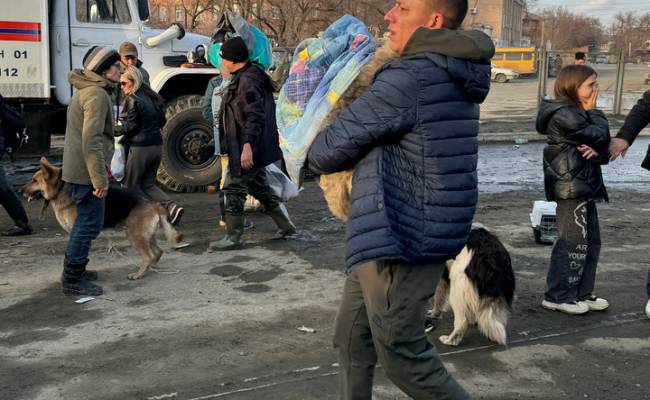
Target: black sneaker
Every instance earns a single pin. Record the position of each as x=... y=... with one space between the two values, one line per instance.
x=19 y=230
x=175 y=214
x=428 y=325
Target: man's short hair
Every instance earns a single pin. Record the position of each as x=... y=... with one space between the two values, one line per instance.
x=580 y=55
x=454 y=11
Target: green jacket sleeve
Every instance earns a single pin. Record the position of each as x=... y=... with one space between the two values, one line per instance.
x=95 y=105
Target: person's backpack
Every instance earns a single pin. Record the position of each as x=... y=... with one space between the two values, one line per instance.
x=12 y=129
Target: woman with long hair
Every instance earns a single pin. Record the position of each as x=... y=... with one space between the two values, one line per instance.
x=577 y=145
x=142 y=119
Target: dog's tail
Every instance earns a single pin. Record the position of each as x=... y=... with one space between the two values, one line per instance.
x=492 y=319
x=171 y=233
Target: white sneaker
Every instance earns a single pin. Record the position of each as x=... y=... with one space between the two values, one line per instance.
x=647 y=309
x=596 y=303
x=573 y=308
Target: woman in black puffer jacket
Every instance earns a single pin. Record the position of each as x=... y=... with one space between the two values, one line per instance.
x=142 y=119
x=578 y=141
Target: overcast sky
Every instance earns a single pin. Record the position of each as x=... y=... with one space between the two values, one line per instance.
x=603 y=9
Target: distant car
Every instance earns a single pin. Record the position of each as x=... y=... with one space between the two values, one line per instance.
x=601 y=59
x=503 y=75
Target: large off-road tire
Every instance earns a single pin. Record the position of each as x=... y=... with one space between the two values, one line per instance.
x=188 y=160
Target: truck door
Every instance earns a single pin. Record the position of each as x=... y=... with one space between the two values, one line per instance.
x=101 y=23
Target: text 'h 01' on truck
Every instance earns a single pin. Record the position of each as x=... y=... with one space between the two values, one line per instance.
x=42 y=40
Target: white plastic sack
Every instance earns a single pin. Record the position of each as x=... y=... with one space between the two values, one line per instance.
x=283 y=187
x=118 y=161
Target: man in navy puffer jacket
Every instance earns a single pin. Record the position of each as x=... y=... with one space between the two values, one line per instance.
x=412 y=141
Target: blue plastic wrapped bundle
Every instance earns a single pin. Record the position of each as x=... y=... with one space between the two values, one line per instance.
x=321 y=70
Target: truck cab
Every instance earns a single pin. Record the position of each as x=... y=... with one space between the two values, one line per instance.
x=66 y=30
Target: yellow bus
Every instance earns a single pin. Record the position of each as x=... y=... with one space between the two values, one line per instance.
x=521 y=59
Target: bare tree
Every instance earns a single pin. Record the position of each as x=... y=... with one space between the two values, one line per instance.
x=566 y=30
x=630 y=31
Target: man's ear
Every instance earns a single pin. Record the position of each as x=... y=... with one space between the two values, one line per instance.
x=437 y=21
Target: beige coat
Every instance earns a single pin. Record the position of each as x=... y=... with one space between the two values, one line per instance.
x=337 y=186
x=89 y=130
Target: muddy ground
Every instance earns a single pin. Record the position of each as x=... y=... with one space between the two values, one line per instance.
x=225 y=325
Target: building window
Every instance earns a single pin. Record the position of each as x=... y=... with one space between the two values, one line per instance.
x=180 y=14
x=163 y=14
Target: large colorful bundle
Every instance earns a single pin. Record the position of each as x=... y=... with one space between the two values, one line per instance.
x=321 y=70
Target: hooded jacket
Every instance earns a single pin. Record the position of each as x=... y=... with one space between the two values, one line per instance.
x=247 y=115
x=567 y=175
x=89 y=139
x=412 y=141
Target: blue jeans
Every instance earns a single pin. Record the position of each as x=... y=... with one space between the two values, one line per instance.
x=87 y=226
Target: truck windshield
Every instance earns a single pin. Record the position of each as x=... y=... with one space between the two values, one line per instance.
x=103 y=11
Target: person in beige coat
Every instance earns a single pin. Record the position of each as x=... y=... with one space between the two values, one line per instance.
x=87 y=153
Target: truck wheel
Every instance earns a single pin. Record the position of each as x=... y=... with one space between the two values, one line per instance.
x=188 y=161
x=501 y=78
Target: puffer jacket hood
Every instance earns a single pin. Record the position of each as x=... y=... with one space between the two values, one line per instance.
x=81 y=79
x=547 y=109
x=465 y=55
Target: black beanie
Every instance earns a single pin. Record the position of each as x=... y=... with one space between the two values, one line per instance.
x=234 y=50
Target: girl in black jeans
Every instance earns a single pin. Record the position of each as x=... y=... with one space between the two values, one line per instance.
x=578 y=140
x=142 y=118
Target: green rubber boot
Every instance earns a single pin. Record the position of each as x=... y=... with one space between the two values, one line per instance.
x=280 y=216
x=234 y=230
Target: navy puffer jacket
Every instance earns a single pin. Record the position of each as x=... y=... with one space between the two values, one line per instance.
x=412 y=140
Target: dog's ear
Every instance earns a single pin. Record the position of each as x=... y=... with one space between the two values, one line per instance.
x=47 y=168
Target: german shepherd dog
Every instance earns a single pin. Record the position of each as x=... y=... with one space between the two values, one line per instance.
x=479 y=285
x=142 y=218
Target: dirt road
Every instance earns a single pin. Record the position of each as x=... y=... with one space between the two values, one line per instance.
x=210 y=326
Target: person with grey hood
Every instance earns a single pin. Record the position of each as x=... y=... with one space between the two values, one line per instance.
x=87 y=152
x=412 y=139
x=577 y=145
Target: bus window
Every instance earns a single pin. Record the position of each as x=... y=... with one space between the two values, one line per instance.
x=498 y=56
x=513 y=56
x=528 y=56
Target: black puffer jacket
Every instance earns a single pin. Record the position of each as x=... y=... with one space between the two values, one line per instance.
x=567 y=175
x=637 y=119
x=247 y=115
x=142 y=119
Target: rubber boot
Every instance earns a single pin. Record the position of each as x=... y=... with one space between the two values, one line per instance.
x=234 y=230
x=280 y=216
x=74 y=282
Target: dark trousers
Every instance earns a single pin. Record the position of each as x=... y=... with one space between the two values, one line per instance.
x=140 y=173
x=10 y=201
x=647 y=287
x=253 y=182
x=572 y=273
x=87 y=225
x=381 y=318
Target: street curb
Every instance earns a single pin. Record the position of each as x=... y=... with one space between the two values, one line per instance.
x=524 y=137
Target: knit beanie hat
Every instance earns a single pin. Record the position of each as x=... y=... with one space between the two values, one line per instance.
x=235 y=50
x=99 y=58
x=128 y=49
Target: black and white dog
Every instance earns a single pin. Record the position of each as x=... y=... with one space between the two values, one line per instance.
x=479 y=285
